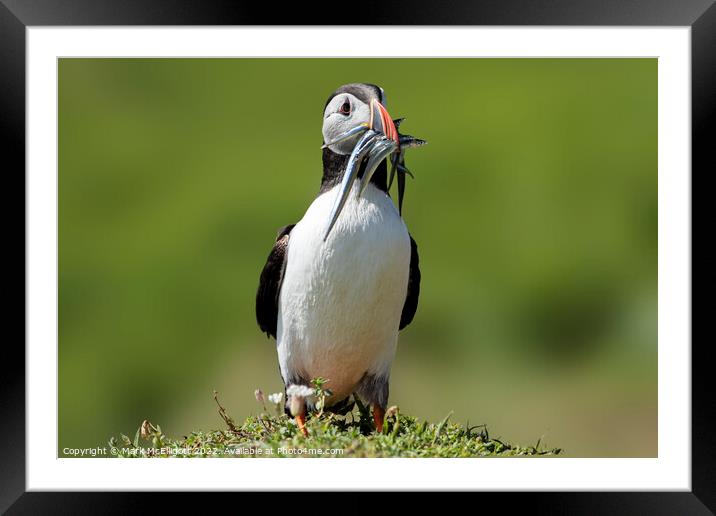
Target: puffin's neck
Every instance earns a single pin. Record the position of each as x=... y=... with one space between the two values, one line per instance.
x=334 y=167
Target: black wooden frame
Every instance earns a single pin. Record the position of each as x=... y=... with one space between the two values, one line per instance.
x=16 y=15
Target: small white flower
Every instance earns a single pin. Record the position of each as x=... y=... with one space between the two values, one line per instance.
x=301 y=391
x=276 y=398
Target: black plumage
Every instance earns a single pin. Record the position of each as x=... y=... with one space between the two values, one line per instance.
x=270 y=283
x=334 y=167
x=363 y=91
x=411 y=299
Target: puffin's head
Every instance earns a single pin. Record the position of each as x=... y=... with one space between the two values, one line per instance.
x=356 y=122
x=351 y=111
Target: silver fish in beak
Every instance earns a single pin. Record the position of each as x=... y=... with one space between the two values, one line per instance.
x=347 y=135
x=380 y=138
x=397 y=162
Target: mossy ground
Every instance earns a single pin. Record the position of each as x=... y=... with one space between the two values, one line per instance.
x=273 y=434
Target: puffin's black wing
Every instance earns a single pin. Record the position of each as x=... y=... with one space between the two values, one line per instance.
x=270 y=283
x=411 y=300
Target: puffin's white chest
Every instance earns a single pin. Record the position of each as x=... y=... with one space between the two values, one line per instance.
x=341 y=300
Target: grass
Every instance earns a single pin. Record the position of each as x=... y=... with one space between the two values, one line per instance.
x=274 y=434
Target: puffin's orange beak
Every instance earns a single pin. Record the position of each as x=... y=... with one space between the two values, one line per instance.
x=382 y=122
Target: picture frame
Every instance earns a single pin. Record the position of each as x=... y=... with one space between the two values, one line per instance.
x=699 y=15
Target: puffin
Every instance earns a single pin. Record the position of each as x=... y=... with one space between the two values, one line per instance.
x=340 y=284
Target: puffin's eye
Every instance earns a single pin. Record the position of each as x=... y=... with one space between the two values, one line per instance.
x=345 y=108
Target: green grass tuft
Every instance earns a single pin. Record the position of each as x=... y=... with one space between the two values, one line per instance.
x=273 y=434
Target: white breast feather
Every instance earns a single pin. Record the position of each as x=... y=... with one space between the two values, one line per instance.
x=341 y=300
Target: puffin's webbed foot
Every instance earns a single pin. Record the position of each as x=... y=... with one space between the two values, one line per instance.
x=301 y=422
x=378 y=418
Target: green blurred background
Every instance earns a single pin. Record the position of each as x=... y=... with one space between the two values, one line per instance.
x=534 y=208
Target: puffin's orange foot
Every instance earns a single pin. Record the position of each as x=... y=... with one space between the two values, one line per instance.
x=301 y=422
x=378 y=417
